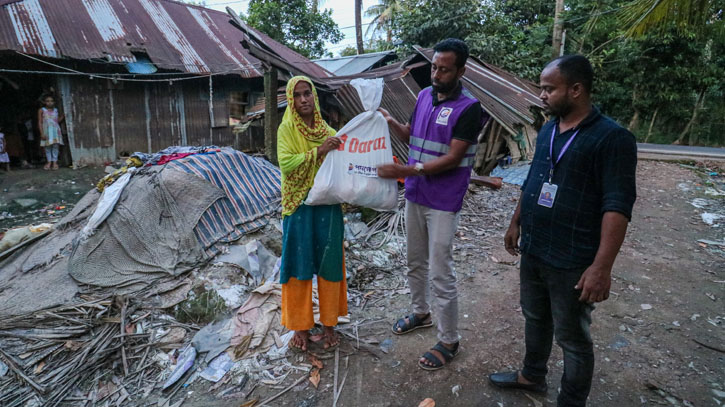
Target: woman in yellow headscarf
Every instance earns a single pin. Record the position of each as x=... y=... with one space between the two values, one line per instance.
x=312 y=235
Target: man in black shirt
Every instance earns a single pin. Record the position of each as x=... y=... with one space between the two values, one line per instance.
x=572 y=218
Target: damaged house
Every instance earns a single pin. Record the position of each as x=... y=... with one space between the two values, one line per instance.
x=129 y=75
x=512 y=103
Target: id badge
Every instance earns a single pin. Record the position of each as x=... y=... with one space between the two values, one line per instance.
x=548 y=194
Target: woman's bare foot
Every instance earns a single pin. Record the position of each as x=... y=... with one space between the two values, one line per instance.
x=331 y=338
x=55 y=165
x=46 y=166
x=300 y=340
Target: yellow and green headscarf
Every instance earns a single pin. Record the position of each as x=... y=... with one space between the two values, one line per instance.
x=297 y=149
x=319 y=131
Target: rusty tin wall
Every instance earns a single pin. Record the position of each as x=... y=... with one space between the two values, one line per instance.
x=105 y=120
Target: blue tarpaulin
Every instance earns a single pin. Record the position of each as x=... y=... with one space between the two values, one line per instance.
x=253 y=189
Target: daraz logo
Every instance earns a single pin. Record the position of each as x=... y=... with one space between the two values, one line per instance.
x=355 y=146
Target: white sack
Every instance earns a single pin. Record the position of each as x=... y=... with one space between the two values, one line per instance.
x=349 y=174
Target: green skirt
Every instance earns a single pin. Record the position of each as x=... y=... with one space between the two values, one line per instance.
x=312 y=243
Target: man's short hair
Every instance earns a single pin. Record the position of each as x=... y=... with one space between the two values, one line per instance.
x=456 y=46
x=576 y=68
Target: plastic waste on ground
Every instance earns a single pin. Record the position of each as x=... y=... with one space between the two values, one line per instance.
x=184 y=363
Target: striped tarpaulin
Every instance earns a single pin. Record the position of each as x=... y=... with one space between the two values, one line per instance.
x=253 y=191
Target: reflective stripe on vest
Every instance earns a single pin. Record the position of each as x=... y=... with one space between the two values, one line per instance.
x=441 y=148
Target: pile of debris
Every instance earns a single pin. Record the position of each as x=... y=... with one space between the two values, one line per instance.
x=91 y=305
x=125 y=312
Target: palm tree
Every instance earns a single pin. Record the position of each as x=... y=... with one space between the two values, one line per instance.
x=641 y=16
x=384 y=15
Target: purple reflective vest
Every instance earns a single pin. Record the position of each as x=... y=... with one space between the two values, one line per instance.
x=430 y=137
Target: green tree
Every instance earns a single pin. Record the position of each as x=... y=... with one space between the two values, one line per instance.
x=296 y=24
x=642 y=16
x=384 y=15
x=425 y=22
x=665 y=84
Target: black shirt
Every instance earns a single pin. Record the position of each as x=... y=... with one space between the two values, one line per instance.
x=469 y=123
x=595 y=175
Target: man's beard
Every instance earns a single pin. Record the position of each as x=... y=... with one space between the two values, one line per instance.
x=559 y=111
x=444 y=87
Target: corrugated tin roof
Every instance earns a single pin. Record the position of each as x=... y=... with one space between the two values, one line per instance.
x=503 y=95
x=258 y=109
x=175 y=36
x=353 y=64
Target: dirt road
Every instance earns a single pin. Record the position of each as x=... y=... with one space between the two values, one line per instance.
x=653 y=337
x=659 y=338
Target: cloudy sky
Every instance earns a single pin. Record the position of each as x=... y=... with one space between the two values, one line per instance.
x=342 y=12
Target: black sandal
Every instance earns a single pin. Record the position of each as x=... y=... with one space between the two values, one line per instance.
x=448 y=355
x=413 y=323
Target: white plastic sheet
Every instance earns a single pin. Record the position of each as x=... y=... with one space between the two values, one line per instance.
x=106 y=203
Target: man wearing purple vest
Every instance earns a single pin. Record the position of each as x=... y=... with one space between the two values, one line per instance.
x=442 y=136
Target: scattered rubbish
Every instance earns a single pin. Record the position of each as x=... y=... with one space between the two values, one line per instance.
x=714 y=192
x=256 y=259
x=183 y=364
x=232 y=295
x=537 y=403
x=315 y=377
x=279 y=349
x=213 y=339
x=646 y=306
x=619 y=342
x=718 y=393
x=14 y=237
x=217 y=368
x=26 y=203
x=694 y=317
x=429 y=402
x=256 y=319
x=711 y=218
x=711 y=296
x=712 y=242
x=3 y=368
x=455 y=389
x=700 y=203
x=676 y=323
x=354 y=227
x=387 y=345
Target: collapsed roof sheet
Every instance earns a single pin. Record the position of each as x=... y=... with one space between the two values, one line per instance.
x=504 y=96
x=353 y=64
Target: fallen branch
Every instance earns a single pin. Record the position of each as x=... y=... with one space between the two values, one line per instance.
x=712 y=347
x=20 y=373
x=271 y=399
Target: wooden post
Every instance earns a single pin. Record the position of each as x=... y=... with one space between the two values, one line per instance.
x=270 y=114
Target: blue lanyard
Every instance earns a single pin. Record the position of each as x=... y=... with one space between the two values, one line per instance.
x=561 y=153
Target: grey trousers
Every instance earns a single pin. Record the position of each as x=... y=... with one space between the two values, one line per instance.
x=430 y=253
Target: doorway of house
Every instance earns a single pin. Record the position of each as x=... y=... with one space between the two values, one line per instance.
x=20 y=99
